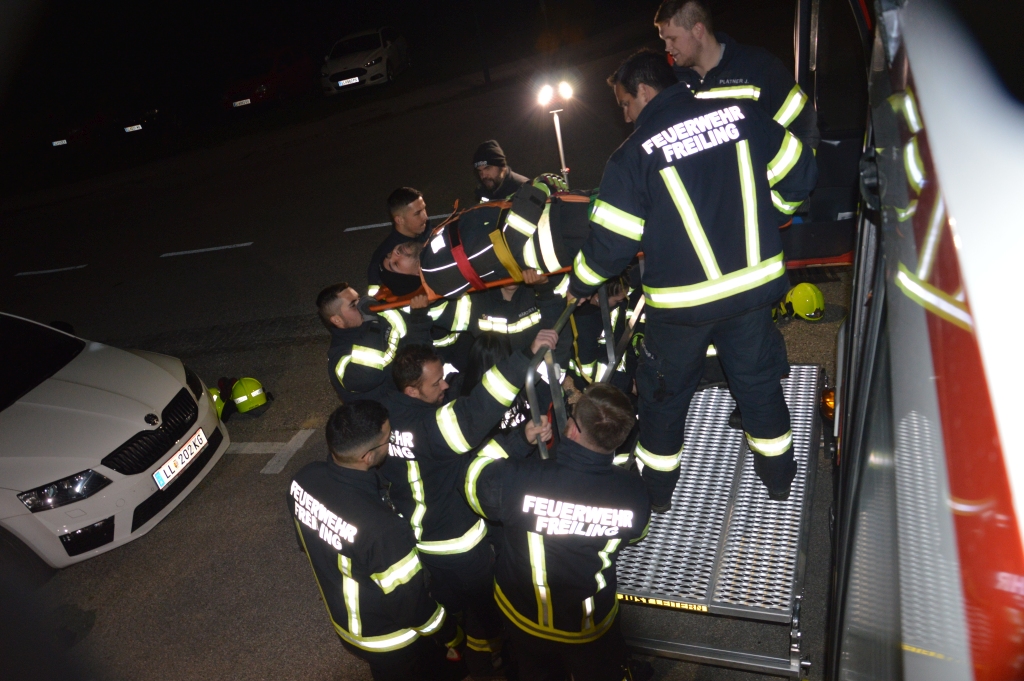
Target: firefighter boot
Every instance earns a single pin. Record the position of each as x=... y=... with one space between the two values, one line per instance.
x=776 y=472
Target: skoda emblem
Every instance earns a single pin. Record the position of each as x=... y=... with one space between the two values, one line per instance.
x=152 y=419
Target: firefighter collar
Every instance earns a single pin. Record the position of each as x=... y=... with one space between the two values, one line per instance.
x=664 y=99
x=364 y=481
x=580 y=458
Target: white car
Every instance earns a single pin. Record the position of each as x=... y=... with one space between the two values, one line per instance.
x=366 y=58
x=97 y=444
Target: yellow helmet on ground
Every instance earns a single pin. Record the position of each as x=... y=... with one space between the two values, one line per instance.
x=247 y=394
x=216 y=400
x=805 y=301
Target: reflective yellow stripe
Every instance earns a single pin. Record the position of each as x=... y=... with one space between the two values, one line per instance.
x=463 y=310
x=368 y=357
x=562 y=288
x=547 y=246
x=588 y=614
x=520 y=224
x=904 y=103
x=448 y=422
x=484 y=645
x=530 y=255
x=643 y=534
x=732 y=92
x=472 y=475
x=436 y=311
x=372 y=290
x=457 y=640
x=934 y=300
x=913 y=165
x=461 y=544
x=698 y=239
x=620 y=459
x=792 y=107
x=606 y=561
x=775 y=446
x=930 y=245
x=583 y=271
x=539 y=573
x=749 y=193
x=501 y=325
x=433 y=625
x=659 y=462
x=618 y=221
x=396 y=320
x=550 y=633
x=445 y=341
x=789 y=154
x=492 y=450
x=499 y=388
x=392 y=641
x=399 y=573
x=416 y=485
x=784 y=206
x=350 y=590
x=904 y=214
x=710 y=291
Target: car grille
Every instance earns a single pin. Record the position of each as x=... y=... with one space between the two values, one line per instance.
x=158 y=501
x=351 y=73
x=144 y=448
x=88 y=538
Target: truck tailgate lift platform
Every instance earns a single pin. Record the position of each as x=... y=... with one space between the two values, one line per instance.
x=724 y=548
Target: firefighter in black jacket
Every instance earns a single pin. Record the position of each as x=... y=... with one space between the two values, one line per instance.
x=363 y=346
x=690 y=188
x=429 y=441
x=565 y=520
x=715 y=66
x=364 y=556
x=517 y=311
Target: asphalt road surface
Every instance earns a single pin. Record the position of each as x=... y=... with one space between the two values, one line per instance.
x=220 y=589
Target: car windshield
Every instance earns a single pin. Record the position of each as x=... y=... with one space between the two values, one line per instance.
x=361 y=43
x=32 y=353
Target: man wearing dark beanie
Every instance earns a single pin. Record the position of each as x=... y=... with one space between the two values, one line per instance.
x=497 y=181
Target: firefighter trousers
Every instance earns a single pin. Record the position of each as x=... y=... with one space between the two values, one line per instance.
x=671 y=360
x=464 y=584
x=539 y=659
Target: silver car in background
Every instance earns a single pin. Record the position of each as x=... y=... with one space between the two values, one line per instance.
x=97 y=444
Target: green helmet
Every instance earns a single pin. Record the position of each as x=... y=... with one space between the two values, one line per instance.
x=216 y=400
x=805 y=301
x=247 y=394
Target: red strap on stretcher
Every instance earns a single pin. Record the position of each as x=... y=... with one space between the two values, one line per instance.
x=462 y=262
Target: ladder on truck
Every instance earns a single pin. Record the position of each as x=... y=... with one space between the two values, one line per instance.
x=724 y=549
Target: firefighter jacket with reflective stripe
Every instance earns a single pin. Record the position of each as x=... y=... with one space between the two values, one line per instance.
x=428 y=453
x=531 y=309
x=565 y=520
x=747 y=72
x=691 y=189
x=364 y=559
x=509 y=186
x=359 y=359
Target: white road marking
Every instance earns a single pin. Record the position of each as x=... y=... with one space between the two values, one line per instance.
x=206 y=250
x=282 y=451
x=387 y=224
x=59 y=269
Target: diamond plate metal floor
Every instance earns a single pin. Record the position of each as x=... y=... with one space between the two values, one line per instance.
x=724 y=547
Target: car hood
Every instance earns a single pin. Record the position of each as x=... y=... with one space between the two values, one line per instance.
x=69 y=422
x=352 y=61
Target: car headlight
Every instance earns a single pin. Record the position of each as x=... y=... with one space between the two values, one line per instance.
x=193 y=383
x=67 y=491
x=373 y=62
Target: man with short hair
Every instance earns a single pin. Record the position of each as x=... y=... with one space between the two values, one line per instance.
x=565 y=520
x=497 y=181
x=364 y=556
x=714 y=66
x=430 y=443
x=363 y=345
x=691 y=188
x=409 y=219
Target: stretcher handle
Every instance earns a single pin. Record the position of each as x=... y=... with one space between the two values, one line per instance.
x=555 y=382
x=404 y=300
x=627 y=336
